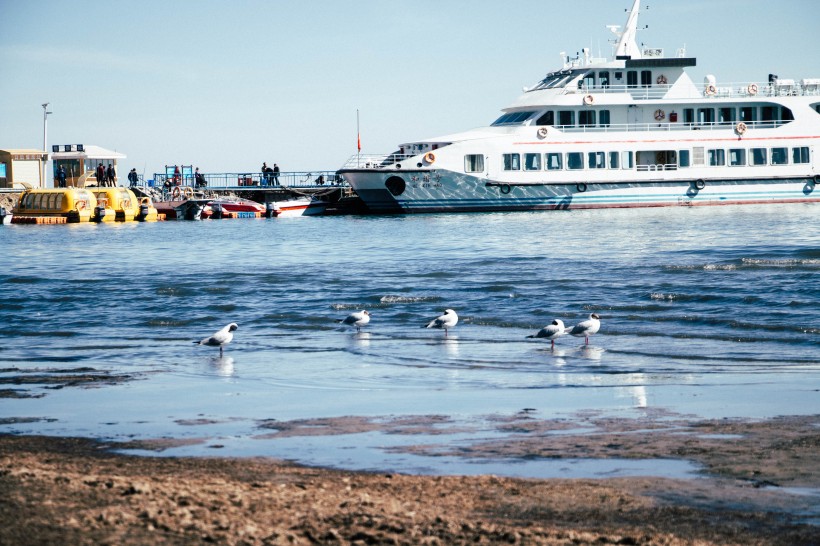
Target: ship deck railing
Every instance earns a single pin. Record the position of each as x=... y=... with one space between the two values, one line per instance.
x=657 y=167
x=667 y=126
x=375 y=161
x=302 y=180
x=780 y=88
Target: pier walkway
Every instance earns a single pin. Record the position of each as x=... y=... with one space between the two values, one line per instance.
x=300 y=180
x=257 y=186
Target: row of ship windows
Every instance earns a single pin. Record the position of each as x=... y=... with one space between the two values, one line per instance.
x=586 y=117
x=602 y=79
x=556 y=161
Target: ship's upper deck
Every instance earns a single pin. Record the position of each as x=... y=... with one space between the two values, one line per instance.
x=643 y=74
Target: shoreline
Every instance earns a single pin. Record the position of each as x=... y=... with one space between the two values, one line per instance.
x=759 y=486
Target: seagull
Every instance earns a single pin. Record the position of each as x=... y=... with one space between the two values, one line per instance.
x=357 y=319
x=552 y=331
x=220 y=338
x=586 y=328
x=446 y=321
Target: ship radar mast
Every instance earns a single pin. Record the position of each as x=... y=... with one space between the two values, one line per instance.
x=627 y=45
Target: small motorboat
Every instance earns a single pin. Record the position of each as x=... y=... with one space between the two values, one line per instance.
x=235 y=206
x=190 y=209
x=5 y=216
x=182 y=203
x=302 y=206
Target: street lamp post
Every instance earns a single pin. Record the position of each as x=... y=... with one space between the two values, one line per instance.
x=45 y=141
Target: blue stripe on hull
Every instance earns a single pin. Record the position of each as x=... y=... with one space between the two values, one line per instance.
x=461 y=193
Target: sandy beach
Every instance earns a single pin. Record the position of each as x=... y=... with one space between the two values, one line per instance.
x=758 y=485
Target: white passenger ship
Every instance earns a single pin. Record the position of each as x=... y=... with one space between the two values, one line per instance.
x=632 y=131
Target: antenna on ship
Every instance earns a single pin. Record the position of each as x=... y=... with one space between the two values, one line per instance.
x=626 y=46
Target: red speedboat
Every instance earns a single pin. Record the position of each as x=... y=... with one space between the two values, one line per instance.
x=233 y=205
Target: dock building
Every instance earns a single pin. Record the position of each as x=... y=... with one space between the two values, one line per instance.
x=22 y=168
x=80 y=162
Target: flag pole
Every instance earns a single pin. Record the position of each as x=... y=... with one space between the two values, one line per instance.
x=358 y=140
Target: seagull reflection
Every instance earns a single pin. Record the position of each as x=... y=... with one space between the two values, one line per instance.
x=223 y=365
x=591 y=353
x=559 y=355
x=450 y=345
x=361 y=340
x=638 y=396
x=636 y=392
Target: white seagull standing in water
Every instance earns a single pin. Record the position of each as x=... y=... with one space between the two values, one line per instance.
x=586 y=328
x=357 y=319
x=552 y=331
x=220 y=338
x=446 y=321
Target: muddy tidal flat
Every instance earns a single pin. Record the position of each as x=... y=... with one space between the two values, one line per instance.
x=759 y=483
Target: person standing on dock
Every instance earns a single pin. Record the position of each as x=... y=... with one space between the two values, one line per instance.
x=266 y=171
x=111 y=175
x=275 y=174
x=199 y=179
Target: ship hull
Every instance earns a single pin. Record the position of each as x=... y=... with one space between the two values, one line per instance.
x=444 y=191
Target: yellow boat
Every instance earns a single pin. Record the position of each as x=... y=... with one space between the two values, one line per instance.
x=124 y=206
x=54 y=206
x=120 y=204
x=145 y=210
x=107 y=205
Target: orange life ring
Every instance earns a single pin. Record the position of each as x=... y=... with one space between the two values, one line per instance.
x=542 y=132
x=175 y=192
x=659 y=115
x=81 y=205
x=661 y=80
x=710 y=89
x=752 y=89
x=589 y=99
x=741 y=128
x=430 y=157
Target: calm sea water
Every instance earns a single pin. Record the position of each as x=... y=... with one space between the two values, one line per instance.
x=710 y=312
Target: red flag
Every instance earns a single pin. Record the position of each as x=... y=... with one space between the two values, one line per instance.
x=359 y=141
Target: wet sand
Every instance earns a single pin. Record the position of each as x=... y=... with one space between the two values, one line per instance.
x=759 y=485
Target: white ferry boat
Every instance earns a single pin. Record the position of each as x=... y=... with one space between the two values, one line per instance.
x=631 y=131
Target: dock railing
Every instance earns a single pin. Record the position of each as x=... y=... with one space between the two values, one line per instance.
x=256 y=180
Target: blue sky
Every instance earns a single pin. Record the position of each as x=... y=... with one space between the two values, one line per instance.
x=227 y=85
